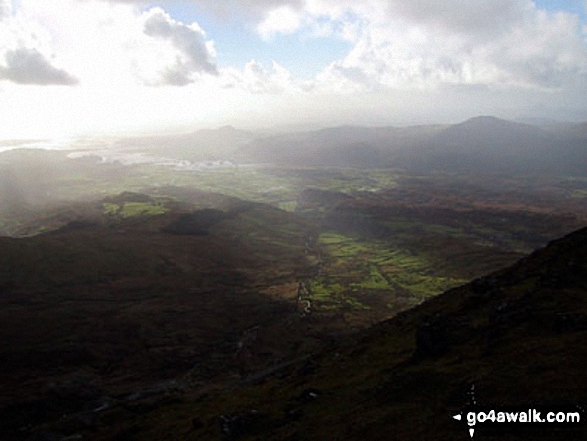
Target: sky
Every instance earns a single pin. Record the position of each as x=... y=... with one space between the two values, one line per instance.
x=93 y=67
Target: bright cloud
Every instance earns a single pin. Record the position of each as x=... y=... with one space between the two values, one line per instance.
x=422 y=43
x=256 y=79
x=282 y=20
x=530 y=48
x=114 y=54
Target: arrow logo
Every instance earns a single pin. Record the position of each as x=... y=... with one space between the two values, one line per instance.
x=459 y=417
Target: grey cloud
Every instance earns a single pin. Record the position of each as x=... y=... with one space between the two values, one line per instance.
x=549 y=69
x=253 y=9
x=457 y=14
x=177 y=76
x=228 y=4
x=189 y=41
x=29 y=66
x=355 y=74
x=480 y=17
x=487 y=41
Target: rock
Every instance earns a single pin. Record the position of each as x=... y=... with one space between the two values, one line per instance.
x=309 y=395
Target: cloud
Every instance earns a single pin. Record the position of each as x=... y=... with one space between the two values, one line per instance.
x=426 y=43
x=403 y=57
x=29 y=66
x=547 y=51
x=26 y=53
x=192 y=53
x=479 y=18
x=250 y=8
x=256 y=79
x=114 y=44
x=423 y=44
x=283 y=20
x=396 y=43
x=5 y=8
x=418 y=44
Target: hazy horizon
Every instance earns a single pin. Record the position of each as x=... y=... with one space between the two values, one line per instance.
x=120 y=67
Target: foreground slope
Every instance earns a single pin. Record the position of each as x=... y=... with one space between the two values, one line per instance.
x=140 y=294
x=516 y=337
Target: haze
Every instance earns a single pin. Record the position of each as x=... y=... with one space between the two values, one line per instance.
x=88 y=67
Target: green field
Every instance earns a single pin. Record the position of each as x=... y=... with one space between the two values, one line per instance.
x=133 y=209
x=360 y=275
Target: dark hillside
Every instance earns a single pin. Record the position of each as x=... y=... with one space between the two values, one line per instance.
x=516 y=338
x=115 y=309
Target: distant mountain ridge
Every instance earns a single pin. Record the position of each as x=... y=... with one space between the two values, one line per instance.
x=204 y=144
x=481 y=144
x=490 y=134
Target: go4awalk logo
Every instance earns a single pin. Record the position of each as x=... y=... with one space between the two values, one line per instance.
x=569 y=421
x=513 y=417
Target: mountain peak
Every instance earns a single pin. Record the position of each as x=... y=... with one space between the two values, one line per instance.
x=485 y=120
